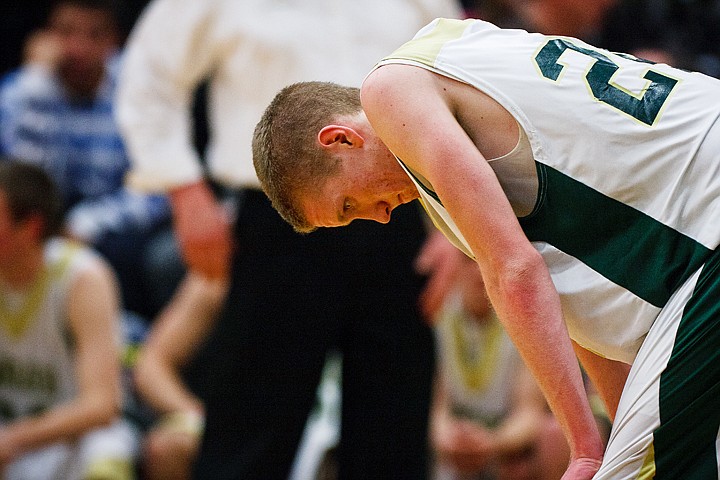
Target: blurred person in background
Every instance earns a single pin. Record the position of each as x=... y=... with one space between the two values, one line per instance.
x=56 y=111
x=166 y=382
x=490 y=420
x=20 y=17
x=60 y=388
x=572 y=18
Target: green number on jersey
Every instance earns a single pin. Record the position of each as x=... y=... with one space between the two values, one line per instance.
x=644 y=108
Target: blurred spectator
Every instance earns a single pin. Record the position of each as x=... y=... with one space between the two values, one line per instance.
x=60 y=387
x=291 y=298
x=56 y=111
x=488 y=413
x=490 y=420
x=577 y=18
x=440 y=261
x=20 y=17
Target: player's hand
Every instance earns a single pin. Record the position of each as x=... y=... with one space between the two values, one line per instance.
x=463 y=444
x=582 y=469
x=203 y=230
x=42 y=47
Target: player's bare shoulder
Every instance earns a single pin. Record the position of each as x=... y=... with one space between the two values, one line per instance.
x=409 y=109
x=399 y=100
x=393 y=85
x=379 y=86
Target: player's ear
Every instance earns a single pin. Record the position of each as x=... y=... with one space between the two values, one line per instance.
x=339 y=135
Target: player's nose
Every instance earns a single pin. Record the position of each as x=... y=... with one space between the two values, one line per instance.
x=380 y=212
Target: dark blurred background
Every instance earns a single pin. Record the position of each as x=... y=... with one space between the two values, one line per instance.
x=20 y=17
x=689 y=29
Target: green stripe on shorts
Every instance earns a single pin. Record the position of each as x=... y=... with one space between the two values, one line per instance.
x=690 y=387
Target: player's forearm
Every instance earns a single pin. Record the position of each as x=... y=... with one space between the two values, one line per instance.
x=161 y=387
x=64 y=422
x=529 y=307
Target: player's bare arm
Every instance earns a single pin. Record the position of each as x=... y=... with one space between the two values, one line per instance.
x=177 y=334
x=417 y=114
x=92 y=313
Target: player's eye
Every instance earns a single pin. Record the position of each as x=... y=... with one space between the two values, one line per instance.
x=346 y=205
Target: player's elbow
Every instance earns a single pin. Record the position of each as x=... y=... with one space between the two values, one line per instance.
x=516 y=277
x=145 y=371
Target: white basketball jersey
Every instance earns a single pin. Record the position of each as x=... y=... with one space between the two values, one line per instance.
x=37 y=370
x=627 y=168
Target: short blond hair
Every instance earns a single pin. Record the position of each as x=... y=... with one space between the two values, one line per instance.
x=287 y=157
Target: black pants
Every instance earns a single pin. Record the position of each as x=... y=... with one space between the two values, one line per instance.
x=293 y=297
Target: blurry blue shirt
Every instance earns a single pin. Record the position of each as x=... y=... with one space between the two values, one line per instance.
x=79 y=144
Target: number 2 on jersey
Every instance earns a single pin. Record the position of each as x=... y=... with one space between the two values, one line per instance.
x=644 y=108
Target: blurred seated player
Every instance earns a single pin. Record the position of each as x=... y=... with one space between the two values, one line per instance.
x=56 y=111
x=161 y=379
x=60 y=392
x=490 y=419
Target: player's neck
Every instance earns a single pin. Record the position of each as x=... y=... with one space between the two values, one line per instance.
x=22 y=271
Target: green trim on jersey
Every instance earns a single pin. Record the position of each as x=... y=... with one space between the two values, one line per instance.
x=621 y=243
x=685 y=441
x=425 y=49
x=422 y=182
